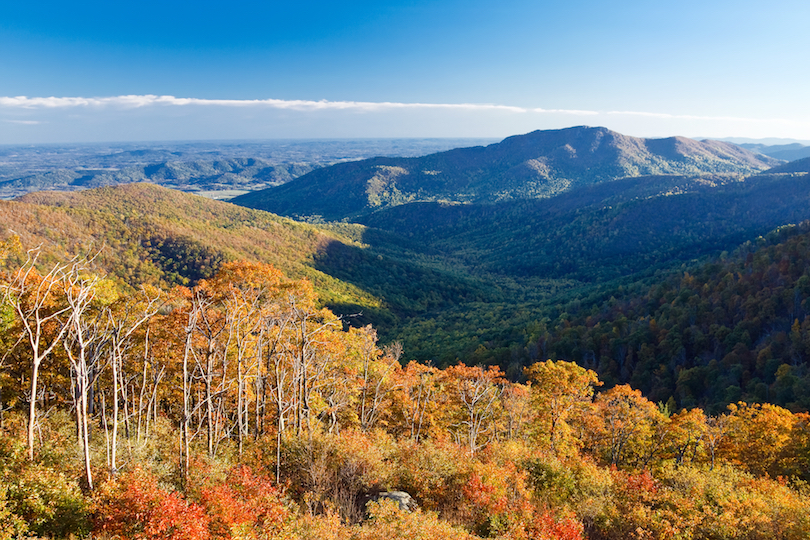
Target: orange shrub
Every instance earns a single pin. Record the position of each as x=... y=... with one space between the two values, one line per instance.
x=246 y=505
x=136 y=508
x=545 y=526
x=496 y=498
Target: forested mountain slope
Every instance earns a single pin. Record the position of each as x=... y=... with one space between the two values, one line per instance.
x=798 y=166
x=535 y=165
x=494 y=284
x=605 y=231
x=149 y=234
x=735 y=328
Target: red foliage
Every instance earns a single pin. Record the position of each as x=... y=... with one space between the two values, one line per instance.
x=546 y=527
x=484 y=495
x=245 y=503
x=135 y=507
x=639 y=486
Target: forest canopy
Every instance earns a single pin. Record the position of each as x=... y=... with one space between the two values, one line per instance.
x=239 y=407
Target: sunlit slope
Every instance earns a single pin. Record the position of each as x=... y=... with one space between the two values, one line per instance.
x=151 y=234
x=536 y=165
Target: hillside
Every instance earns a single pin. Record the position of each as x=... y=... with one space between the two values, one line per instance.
x=605 y=231
x=241 y=174
x=149 y=234
x=798 y=166
x=240 y=409
x=786 y=152
x=482 y=283
x=735 y=328
x=580 y=247
x=536 y=165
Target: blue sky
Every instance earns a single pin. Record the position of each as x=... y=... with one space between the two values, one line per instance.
x=313 y=69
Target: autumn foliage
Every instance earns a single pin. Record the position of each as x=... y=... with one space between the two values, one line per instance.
x=241 y=408
x=136 y=507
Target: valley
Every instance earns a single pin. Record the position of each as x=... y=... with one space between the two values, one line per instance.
x=621 y=352
x=465 y=268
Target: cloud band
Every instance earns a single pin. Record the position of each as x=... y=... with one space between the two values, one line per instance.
x=150 y=100
x=136 y=101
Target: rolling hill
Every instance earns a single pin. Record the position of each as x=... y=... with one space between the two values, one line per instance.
x=199 y=175
x=150 y=234
x=536 y=165
x=787 y=152
x=491 y=281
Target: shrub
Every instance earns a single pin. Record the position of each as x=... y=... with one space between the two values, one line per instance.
x=11 y=525
x=388 y=522
x=697 y=503
x=135 y=507
x=246 y=505
x=48 y=502
x=335 y=471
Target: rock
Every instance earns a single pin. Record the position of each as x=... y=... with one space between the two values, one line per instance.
x=404 y=501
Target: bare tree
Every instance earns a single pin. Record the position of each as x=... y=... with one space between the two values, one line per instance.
x=478 y=392
x=83 y=343
x=376 y=380
x=123 y=321
x=43 y=315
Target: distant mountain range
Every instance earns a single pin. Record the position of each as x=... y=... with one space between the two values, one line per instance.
x=217 y=169
x=785 y=152
x=536 y=165
x=240 y=174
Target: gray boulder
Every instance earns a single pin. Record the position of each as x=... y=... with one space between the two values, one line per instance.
x=404 y=501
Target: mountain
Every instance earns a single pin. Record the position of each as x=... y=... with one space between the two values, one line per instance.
x=536 y=165
x=201 y=175
x=217 y=169
x=785 y=152
x=154 y=235
x=578 y=247
x=604 y=231
x=798 y=166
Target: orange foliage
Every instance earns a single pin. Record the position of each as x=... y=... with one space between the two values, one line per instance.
x=496 y=497
x=135 y=507
x=545 y=526
x=246 y=505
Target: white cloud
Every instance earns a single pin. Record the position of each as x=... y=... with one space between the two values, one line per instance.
x=574 y=112
x=24 y=122
x=134 y=101
x=154 y=117
x=666 y=116
x=149 y=100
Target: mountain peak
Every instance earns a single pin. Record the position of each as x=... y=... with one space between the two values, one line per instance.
x=539 y=164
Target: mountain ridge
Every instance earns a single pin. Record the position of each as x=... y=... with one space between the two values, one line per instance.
x=198 y=175
x=534 y=165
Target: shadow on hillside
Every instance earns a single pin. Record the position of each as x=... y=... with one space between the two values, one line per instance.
x=406 y=286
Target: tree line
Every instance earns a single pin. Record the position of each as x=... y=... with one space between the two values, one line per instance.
x=247 y=368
